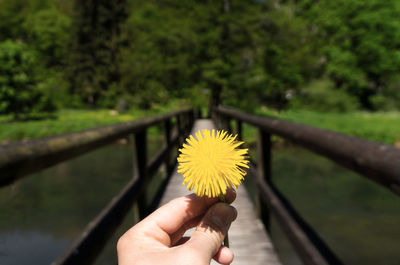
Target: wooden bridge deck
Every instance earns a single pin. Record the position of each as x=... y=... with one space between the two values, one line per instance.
x=248 y=239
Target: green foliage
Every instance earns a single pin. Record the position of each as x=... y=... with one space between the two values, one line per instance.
x=359 y=40
x=158 y=65
x=94 y=53
x=388 y=98
x=48 y=30
x=22 y=91
x=287 y=54
x=321 y=95
x=188 y=51
x=148 y=53
x=12 y=18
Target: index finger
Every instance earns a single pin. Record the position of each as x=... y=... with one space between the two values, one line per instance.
x=177 y=212
x=168 y=219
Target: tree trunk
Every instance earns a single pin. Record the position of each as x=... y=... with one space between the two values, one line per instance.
x=216 y=89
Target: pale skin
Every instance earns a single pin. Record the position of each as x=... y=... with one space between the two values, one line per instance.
x=158 y=239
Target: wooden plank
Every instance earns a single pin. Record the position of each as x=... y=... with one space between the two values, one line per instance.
x=248 y=239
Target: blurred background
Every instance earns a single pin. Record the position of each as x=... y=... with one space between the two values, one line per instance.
x=71 y=65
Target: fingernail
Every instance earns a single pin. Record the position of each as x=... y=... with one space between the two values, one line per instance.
x=223 y=214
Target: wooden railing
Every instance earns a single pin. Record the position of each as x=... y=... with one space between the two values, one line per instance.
x=378 y=162
x=24 y=158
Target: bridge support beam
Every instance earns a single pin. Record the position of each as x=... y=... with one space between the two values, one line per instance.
x=140 y=166
x=167 y=127
x=239 y=129
x=264 y=168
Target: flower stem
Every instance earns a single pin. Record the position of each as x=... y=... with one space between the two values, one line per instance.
x=226 y=240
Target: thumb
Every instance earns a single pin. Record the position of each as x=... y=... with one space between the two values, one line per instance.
x=210 y=233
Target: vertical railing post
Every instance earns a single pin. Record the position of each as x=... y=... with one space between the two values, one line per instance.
x=217 y=120
x=214 y=116
x=227 y=124
x=179 y=127
x=183 y=123
x=140 y=157
x=239 y=129
x=192 y=119
x=187 y=122
x=199 y=114
x=264 y=171
x=224 y=123
x=167 y=128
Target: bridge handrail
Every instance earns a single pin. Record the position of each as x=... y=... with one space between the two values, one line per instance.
x=22 y=158
x=86 y=248
x=377 y=161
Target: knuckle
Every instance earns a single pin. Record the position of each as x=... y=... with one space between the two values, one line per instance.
x=211 y=235
x=175 y=201
x=121 y=244
x=215 y=237
x=193 y=253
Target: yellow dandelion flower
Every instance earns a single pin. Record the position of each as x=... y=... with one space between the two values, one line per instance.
x=212 y=163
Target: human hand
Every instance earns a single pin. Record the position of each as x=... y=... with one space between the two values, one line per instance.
x=158 y=239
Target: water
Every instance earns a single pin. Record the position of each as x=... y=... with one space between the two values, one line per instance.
x=357 y=218
x=41 y=215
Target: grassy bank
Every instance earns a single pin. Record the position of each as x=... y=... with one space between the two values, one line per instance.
x=64 y=121
x=377 y=126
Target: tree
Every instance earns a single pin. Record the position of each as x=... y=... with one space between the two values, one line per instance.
x=94 y=62
x=360 y=41
x=20 y=84
x=48 y=31
x=270 y=55
x=12 y=18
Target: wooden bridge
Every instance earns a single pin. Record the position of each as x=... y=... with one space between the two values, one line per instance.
x=249 y=238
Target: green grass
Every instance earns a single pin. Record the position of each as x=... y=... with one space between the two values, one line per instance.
x=377 y=126
x=380 y=126
x=65 y=121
